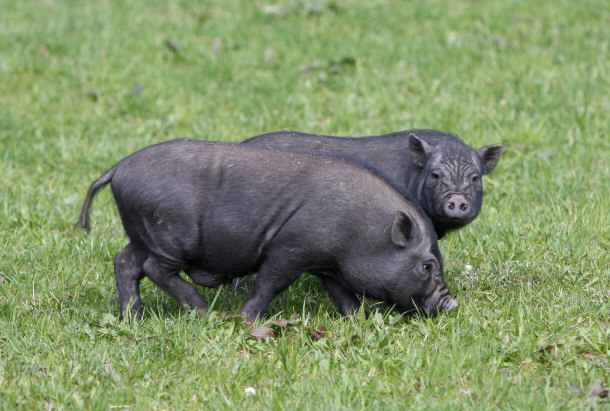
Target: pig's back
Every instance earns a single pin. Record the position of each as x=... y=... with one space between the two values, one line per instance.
x=221 y=204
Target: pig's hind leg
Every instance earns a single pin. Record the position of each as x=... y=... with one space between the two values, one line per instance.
x=165 y=276
x=128 y=273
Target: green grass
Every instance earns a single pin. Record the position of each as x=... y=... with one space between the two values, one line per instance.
x=85 y=83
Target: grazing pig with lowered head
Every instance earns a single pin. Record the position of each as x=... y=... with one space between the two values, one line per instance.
x=220 y=210
x=442 y=172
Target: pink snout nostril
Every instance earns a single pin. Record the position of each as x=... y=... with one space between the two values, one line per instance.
x=457 y=206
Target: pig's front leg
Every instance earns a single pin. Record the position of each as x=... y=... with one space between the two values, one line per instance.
x=269 y=283
x=346 y=301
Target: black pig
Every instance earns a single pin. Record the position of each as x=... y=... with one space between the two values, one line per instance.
x=441 y=171
x=219 y=210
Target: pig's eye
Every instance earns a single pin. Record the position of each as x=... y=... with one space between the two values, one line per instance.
x=476 y=179
x=427 y=268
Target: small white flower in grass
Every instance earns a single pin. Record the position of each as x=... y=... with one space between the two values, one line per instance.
x=250 y=391
x=468 y=268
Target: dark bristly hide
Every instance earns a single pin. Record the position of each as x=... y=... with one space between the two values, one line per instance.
x=442 y=172
x=218 y=211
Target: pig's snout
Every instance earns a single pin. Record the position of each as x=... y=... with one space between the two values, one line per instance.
x=457 y=207
x=448 y=304
x=435 y=305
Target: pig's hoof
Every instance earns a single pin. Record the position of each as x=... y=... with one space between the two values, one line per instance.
x=201 y=311
x=132 y=315
x=250 y=318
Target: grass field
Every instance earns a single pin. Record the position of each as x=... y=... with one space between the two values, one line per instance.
x=82 y=84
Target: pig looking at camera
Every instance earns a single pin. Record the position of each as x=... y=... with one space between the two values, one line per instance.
x=443 y=173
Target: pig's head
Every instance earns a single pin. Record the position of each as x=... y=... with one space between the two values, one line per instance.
x=450 y=186
x=407 y=269
x=422 y=284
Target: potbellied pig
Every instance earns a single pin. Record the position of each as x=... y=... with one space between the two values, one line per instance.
x=218 y=210
x=442 y=172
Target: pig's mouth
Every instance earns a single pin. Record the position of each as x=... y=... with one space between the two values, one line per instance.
x=449 y=219
x=453 y=223
x=428 y=306
x=449 y=224
x=432 y=306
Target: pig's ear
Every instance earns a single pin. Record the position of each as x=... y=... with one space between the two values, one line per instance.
x=489 y=155
x=419 y=149
x=403 y=229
